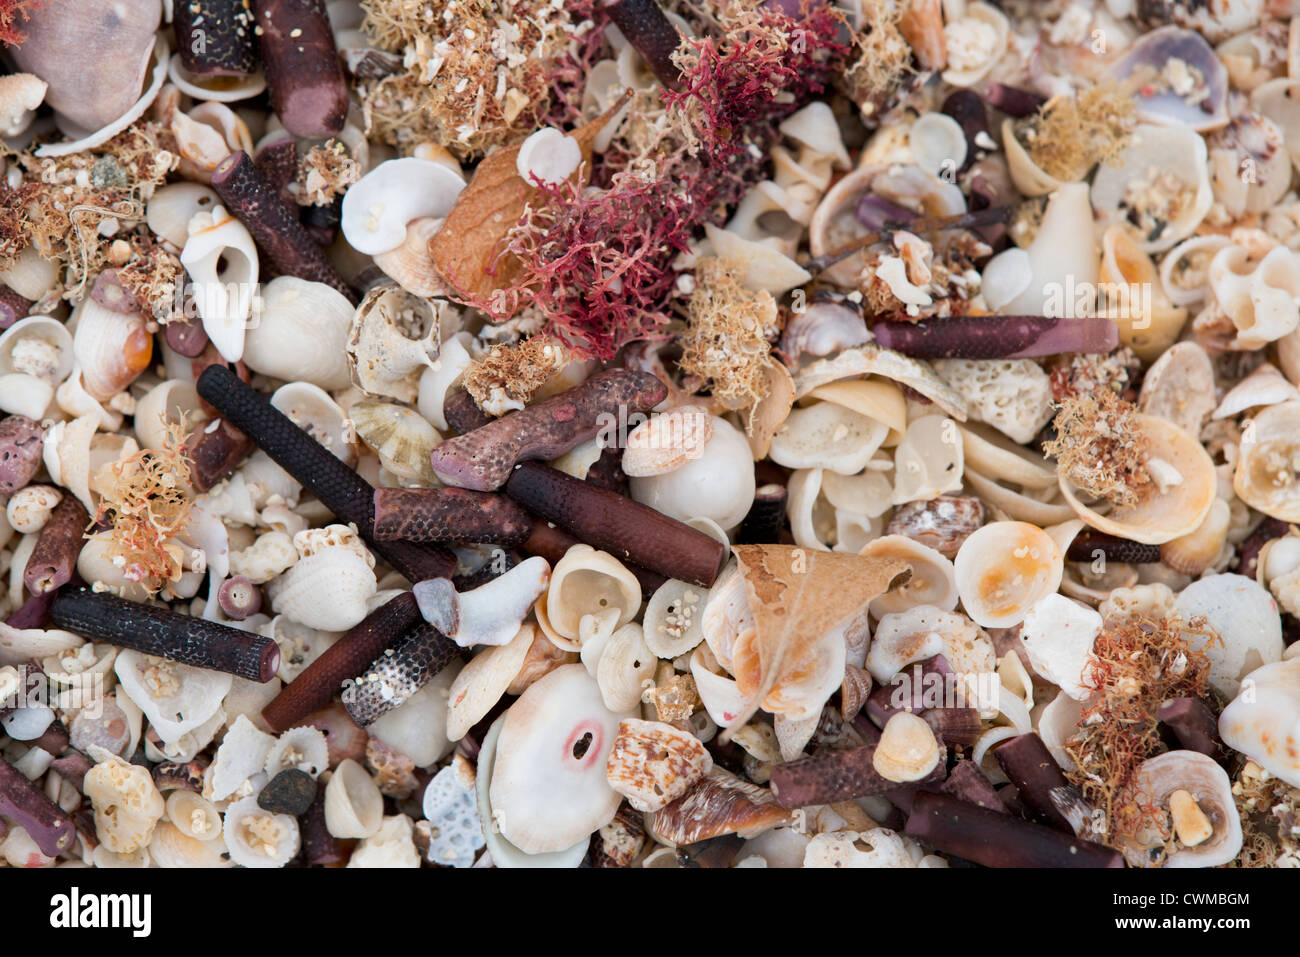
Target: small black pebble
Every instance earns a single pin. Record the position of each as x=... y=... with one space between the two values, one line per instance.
x=289 y=792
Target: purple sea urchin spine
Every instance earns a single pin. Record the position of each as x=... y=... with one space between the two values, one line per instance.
x=157 y=631
x=626 y=529
x=345 y=493
x=1193 y=724
x=837 y=776
x=462 y=412
x=1032 y=769
x=966 y=782
x=259 y=206
x=482 y=459
x=651 y=34
x=214 y=451
x=239 y=597
x=302 y=66
x=21 y=444
x=346 y=658
x=46 y=823
x=1088 y=542
x=12 y=307
x=215 y=37
x=397 y=674
x=1012 y=100
x=997 y=337
x=986 y=837
x=449 y=515
x=186 y=337
x=766 y=518
x=278 y=164
x=54 y=559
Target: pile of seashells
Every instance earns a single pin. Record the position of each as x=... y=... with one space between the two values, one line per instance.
x=807 y=632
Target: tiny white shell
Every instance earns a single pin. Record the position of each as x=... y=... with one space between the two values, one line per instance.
x=301 y=333
x=258 y=838
x=354 y=806
x=377 y=207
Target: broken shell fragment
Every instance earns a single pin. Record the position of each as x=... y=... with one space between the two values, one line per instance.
x=586 y=581
x=1263 y=721
x=353 y=805
x=490 y=614
x=393 y=338
x=667 y=441
x=1264 y=477
x=1057 y=634
x=1244 y=627
x=653 y=763
x=401 y=437
x=378 y=207
x=482 y=682
x=719 y=803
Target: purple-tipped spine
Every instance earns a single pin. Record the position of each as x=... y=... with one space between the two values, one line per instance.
x=21 y=444
x=45 y=822
x=12 y=307
x=838 y=776
x=651 y=34
x=398 y=673
x=1032 y=769
x=451 y=515
x=54 y=559
x=997 y=337
x=1193 y=724
x=302 y=66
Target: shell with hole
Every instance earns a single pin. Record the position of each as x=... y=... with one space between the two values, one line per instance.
x=933 y=581
x=1133 y=298
x=393 y=338
x=36 y=354
x=548 y=789
x=301 y=333
x=221 y=259
x=1003 y=569
x=1208 y=825
x=1179 y=498
x=402 y=439
x=1258 y=295
x=585 y=581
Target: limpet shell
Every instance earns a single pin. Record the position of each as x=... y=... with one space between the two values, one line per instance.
x=258 y=838
x=353 y=805
x=1263 y=721
x=674 y=619
x=1003 y=569
x=1160 y=515
x=827 y=435
x=401 y=437
x=548 y=788
x=933 y=581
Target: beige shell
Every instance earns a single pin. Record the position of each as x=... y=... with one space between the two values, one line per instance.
x=929 y=461
x=410 y=265
x=172 y=402
x=827 y=435
x=301 y=334
x=989 y=452
x=667 y=441
x=1025 y=173
x=765 y=417
x=393 y=338
x=1003 y=569
x=206 y=135
x=353 y=805
x=328 y=588
x=111 y=348
x=870 y=359
x=653 y=763
x=1264 y=386
x=193 y=815
x=75 y=455
x=1262 y=724
x=907 y=750
x=1179 y=387
x=1196 y=551
x=1264 y=477
x=1041 y=507
x=969 y=68
x=401 y=437
x=482 y=682
x=36 y=354
x=71 y=396
x=626 y=666
x=1156 y=783
x=674 y=619
x=31 y=275
x=585 y=581
x=933 y=581
x=171 y=207
x=1184 y=270
x=1148 y=323
x=1162 y=514
x=877 y=399
x=311 y=409
x=127 y=804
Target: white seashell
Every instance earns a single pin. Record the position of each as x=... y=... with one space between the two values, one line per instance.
x=1243 y=615
x=172 y=208
x=990 y=453
x=176 y=698
x=1179 y=387
x=27 y=723
x=36 y=354
x=626 y=666
x=1263 y=720
x=1263 y=469
x=311 y=409
x=870 y=359
x=328 y=588
x=1155 y=153
x=1004 y=569
x=674 y=617
x=933 y=581
x=95 y=566
x=441 y=377
x=1063 y=254
x=304 y=748
x=974 y=42
x=867 y=493
x=393 y=338
x=483 y=681
x=1276 y=101
x=929 y=461
x=451 y=806
x=29 y=508
x=938 y=144
x=719 y=694
x=20 y=95
x=1259 y=298
x=549 y=156
x=401 y=438
x=923 y=631
x=31 y=275
x=268 y=557
x=354 y=806
x=127 y=804
x=500 y=850
x=221 y=259
x=585 y=581
x=242 y=754
x=1264 y=386
x=548 y=787
x=717 y=484
x=71 y=397
x=170 y=847
x=1012 y=395
x=410 y=265
x=194 y=816
x=1058 y=634
x=257 y=838
x=377 y=207
x=172 y=402
x=301 y=333
x=417 y=727
x=1005 y=278
x=206 y=135
x=827 y=435
x=492 y=613
x=1212 y=840
x=766 y=267
x=393 y=845
x=1184 y=270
